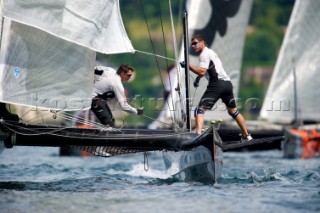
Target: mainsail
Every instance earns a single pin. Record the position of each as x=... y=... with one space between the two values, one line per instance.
x=48 y=50
x=224 y=24
x=299 y=55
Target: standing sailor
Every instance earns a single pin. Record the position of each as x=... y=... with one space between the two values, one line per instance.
x=108 y=86
x=219 y=86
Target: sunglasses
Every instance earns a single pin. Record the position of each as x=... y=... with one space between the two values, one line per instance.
x=194 y=43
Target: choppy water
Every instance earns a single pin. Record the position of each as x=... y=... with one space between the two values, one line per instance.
x=38 y=180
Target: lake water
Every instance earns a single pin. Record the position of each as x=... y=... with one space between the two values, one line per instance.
x=39 y=180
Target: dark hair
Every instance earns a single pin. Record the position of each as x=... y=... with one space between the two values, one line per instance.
x=200 y=37
x=124 y=68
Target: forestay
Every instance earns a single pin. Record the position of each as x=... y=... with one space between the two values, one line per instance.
x=300 y=53
x=48 y=50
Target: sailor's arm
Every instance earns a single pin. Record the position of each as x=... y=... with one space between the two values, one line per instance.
x=121 y=97
x=200 y=71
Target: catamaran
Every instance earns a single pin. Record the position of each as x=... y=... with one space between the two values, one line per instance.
x=48 y=52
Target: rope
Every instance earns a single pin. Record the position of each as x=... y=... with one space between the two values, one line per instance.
x=77 y=135
x=193 y=98
x=152 y=41
x=173 y=34
x=157 y=120
x=175 y=48
x=8 y=125
x=145 y=18
x=151 y=117
x=165 y=47
x=164 y=39
x=156 y=55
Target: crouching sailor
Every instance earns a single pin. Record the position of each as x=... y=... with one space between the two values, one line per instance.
x=109 y=86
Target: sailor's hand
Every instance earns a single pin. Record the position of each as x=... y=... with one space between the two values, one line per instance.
x=140 y=111
x=196 y=82
x=183 y=64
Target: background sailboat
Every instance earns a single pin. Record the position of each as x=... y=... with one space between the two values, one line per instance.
x=291 y=98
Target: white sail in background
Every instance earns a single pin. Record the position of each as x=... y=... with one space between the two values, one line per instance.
x=48 y=50
x=300 y=52
x=224 y=24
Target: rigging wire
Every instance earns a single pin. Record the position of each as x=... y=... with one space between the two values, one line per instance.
x=164 y=38
x=175 y=51
x=55 y=131
x=151 y=117
x=146 y=21
x=157 y=120
x=178 y=88
x=165 y=47
x=194 y=93
x=156 y=55
x=148 y=28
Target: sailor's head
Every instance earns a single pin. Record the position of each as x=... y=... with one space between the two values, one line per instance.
x=198 y=42
x=125 y=71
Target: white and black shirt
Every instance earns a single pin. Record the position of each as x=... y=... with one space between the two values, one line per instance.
x=111 y=81
x=204 y=60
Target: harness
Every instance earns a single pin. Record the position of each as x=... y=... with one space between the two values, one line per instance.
x=107 y=95
x=213 y=75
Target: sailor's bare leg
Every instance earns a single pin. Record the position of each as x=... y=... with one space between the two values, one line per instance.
x=240 y=121
x=199 y=123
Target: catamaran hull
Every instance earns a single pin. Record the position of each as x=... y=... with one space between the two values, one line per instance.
x=200 y=156
x=197 y=160
x=200 y=165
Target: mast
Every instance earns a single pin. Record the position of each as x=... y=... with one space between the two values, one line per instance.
x=186 y=59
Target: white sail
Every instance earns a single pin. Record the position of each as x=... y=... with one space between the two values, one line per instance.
x=300 y=53
x=224 y=24
x=48 y=50
x=95 y=24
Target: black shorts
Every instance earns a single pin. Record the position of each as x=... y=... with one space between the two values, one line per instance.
x=215 y=90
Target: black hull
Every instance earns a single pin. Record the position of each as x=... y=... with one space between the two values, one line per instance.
x=18 y=134
x=230 y=132
x=200 y=155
